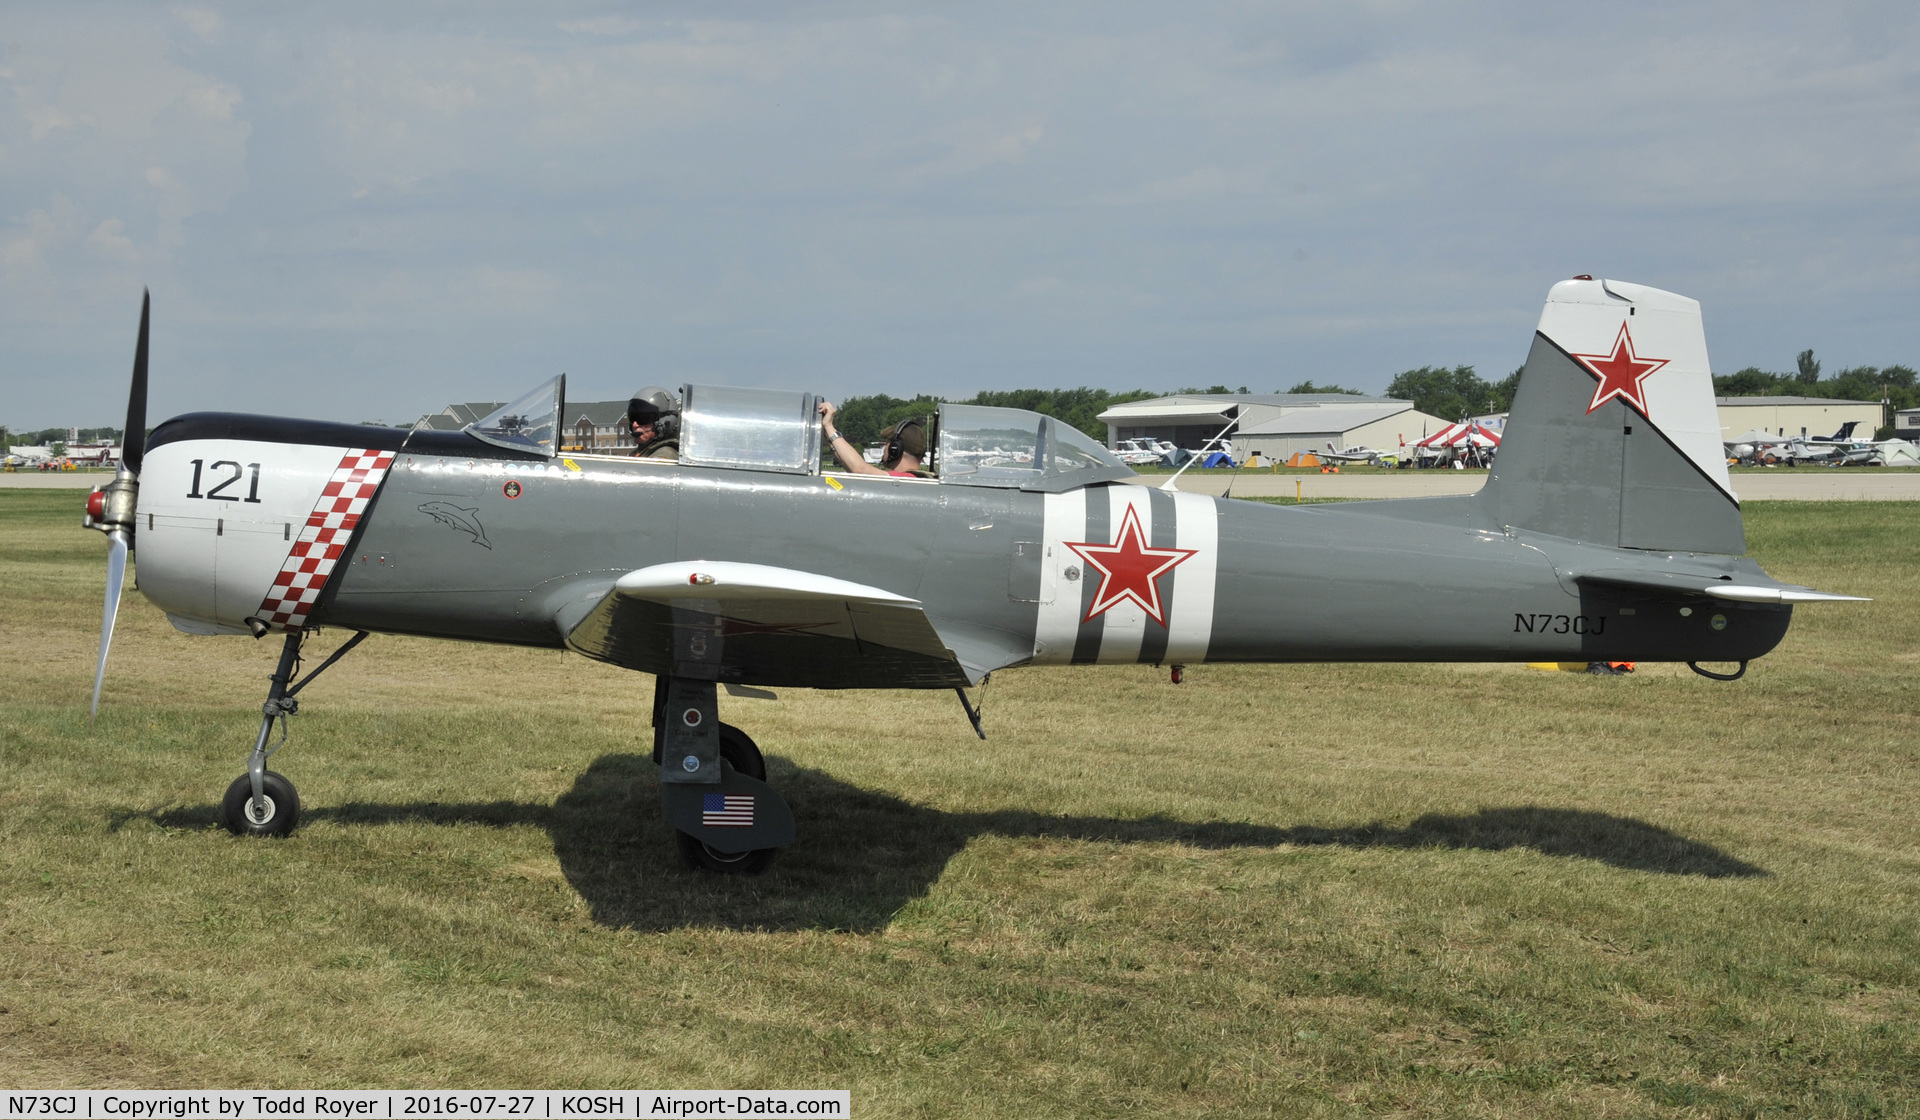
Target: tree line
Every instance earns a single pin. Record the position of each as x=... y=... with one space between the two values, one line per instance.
x=47 y=437
x=1898 y=385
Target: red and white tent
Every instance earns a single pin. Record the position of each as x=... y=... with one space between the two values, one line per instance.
x=1469 y=434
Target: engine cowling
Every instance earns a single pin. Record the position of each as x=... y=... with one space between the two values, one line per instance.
x=241 y=536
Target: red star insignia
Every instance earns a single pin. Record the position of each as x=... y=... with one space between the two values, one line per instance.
x=1129 y=569
x=1622 y=373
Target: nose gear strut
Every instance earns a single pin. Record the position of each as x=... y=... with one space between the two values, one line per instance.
x=271 y=807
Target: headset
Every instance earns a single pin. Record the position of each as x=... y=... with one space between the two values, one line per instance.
x=890 y=457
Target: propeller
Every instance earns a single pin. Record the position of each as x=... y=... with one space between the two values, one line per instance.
x=110 y=509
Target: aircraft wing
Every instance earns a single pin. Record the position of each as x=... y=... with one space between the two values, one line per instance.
x=759 y=624
x=1738 y=589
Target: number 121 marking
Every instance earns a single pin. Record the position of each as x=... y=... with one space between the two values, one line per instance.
x=253 y=482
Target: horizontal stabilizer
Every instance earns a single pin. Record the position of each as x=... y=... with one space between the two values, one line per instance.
x=1738 y=589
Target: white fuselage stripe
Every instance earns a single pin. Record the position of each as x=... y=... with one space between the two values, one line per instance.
x=1065 y=519
x=1190 y=628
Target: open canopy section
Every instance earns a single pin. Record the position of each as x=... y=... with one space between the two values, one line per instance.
x=531 y=423
x=750 y=429
x=1016 y=449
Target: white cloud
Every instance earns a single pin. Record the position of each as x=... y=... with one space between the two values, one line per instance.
x=204 y=22
x=46 y=120
x=1098 y=194
x=975 y=144
x=109 y=241
x=24 y=250
x=601 y=25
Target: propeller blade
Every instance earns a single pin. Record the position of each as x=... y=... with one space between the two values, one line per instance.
x=133 y=444
x=116 y=575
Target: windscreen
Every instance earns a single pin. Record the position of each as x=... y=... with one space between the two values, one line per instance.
x=982 y=446
x=531 y=423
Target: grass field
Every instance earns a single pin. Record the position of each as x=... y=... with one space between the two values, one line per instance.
x=1270 y=891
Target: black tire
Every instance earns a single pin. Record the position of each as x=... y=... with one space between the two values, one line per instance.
x=283 y=807
x=700 y=857
x=736 y=746
x=740 y=752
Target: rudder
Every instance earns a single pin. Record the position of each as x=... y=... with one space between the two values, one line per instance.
x=1614 y=437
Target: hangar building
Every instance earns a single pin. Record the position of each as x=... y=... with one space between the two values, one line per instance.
x=1796 y=416
x=1274 y=424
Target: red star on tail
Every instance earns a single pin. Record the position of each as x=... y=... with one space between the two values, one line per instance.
x=1129 y=569
x=1622 y=373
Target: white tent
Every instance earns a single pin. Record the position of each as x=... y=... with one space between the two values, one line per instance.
x=1898 y=453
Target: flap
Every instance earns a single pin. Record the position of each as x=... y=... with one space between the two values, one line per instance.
x=1721 y=586
x=761 y=625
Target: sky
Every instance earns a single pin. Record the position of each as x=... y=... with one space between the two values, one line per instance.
x=366 y=211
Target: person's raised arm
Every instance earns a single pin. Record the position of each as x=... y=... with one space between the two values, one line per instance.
x=843 y=448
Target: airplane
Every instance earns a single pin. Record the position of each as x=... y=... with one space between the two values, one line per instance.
x=1356 y=455
x=747 y=566
x=1138 y=452
x=1837 y=450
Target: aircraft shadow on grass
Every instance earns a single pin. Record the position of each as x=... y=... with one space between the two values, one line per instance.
x=867 y=854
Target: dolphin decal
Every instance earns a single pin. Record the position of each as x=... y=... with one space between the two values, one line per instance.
x=458 y=517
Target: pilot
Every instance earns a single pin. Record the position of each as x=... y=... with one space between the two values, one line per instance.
x=654 y=416
x=906 y=447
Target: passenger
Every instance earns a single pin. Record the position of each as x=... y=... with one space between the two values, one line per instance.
x=906 y=447
x=654 y=416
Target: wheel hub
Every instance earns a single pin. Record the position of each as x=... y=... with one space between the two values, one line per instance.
x=262 y=811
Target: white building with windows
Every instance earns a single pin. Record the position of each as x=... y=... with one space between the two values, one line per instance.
x=589 y=426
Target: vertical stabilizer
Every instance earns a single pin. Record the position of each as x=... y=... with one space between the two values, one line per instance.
x=1614 y=437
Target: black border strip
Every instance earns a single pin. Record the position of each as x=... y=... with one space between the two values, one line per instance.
x=329 y=433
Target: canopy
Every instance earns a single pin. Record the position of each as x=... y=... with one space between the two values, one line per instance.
x=1458 y=435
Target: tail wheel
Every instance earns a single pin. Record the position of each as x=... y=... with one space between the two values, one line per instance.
x=276 y=815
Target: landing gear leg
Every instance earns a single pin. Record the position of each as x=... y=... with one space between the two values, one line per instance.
x=261 y=802
x=713 y=786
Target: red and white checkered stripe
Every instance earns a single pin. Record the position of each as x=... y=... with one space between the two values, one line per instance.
x=324 y=538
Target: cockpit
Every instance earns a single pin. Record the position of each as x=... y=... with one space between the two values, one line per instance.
x=777 y=430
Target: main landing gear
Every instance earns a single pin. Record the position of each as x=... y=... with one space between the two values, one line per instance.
x=261 y=802
x=713 y=783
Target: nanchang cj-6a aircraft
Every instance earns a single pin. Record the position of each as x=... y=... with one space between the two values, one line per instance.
x=1608 y=531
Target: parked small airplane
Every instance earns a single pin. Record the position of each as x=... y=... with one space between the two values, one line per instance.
x=1140 y=452
x=1355 y=455
x=1836 y=450
x=1607 y=532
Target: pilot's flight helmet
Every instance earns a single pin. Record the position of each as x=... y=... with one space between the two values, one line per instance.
x=909 y=436
x=654 y=405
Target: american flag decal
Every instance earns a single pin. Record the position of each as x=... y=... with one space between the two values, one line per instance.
x=324 y=538
x=727 y=810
